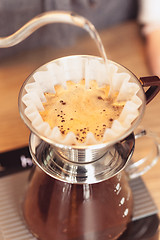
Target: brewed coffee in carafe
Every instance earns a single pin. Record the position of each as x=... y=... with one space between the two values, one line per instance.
x=59 y=210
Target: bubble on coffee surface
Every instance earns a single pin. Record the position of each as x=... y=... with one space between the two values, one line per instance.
x=80 y=110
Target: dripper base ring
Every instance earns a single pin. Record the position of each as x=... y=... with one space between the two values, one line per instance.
x=49 y=159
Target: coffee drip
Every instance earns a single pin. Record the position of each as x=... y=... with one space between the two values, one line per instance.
x=76 y=192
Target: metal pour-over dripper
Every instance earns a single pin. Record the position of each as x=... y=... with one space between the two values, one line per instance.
x=81 y=163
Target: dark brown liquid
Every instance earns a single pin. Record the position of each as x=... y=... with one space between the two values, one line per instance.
x=55 y=210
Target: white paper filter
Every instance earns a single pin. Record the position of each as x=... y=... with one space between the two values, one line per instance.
x=76 y=69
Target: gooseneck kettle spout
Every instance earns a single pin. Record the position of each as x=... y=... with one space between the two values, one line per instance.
x=48 y=18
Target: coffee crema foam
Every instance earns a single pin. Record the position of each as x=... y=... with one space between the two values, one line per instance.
x=80 y=110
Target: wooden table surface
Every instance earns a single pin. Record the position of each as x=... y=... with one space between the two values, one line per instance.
x=122 y=43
